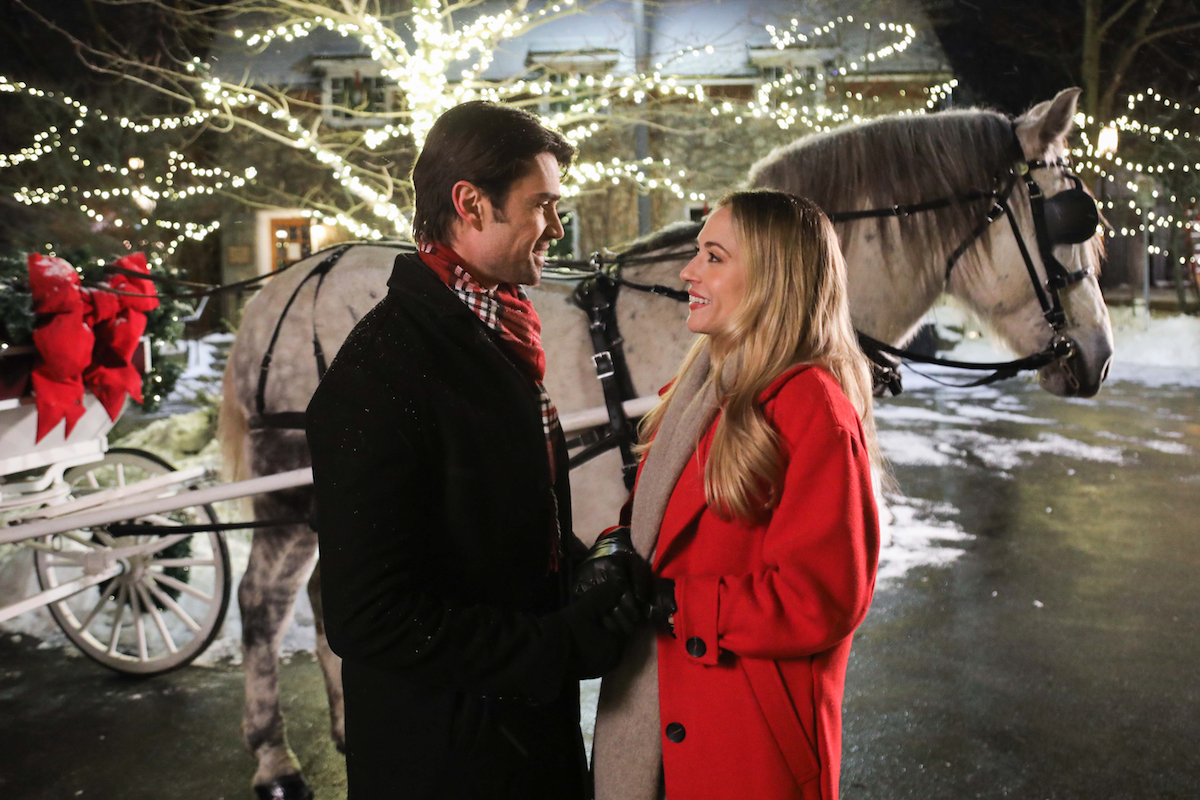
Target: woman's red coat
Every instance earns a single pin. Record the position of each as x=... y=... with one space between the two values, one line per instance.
x=756 y=672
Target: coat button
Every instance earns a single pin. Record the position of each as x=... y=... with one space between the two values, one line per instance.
x=675 y=732
x=696 y=647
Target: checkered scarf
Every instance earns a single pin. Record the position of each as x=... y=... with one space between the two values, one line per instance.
x=488 y=305
x=507 y=310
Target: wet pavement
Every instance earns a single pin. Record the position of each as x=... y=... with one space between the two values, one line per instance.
x=1059 y=656
x=1034 y=633
x=70 y=728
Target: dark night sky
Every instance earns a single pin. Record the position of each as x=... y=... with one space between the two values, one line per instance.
x=1010 y=54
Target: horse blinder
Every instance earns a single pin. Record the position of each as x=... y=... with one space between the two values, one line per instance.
x=1071 y=215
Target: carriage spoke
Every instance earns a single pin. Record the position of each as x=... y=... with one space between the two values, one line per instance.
x=141 y=616
x=159 y=622
x=116 y=630
x=75 y=537
x=150 y=546
x=185 y=562
x=101 y=603
x=75 y=556
x=178 y=611
x=167 y=580
x=139 y=623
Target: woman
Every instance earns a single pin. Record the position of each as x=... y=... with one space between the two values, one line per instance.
x=754 y=505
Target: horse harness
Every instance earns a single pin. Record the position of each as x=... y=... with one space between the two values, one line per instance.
x=293 y=420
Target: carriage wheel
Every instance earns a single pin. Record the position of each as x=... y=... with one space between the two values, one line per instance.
x=166 y=607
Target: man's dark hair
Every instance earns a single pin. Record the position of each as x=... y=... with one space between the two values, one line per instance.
x=486 y=144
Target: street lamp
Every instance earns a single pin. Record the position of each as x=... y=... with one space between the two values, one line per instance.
x=1147 y=197
x=1106 y=142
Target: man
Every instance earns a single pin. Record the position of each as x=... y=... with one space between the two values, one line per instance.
x=443 y=506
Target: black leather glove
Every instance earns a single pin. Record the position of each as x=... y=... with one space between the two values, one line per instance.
x=612 y=558
x=662 y=605
x=595 y=648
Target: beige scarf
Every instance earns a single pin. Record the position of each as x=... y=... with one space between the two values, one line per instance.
x=627 y=747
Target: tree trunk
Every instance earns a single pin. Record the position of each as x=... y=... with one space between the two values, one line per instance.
x=1124 y=59
x=1093 y=38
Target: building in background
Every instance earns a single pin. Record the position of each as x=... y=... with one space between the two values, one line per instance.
x=724 y=47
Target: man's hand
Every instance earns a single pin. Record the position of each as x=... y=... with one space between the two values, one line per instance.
x=612 y=559
x=596 y=646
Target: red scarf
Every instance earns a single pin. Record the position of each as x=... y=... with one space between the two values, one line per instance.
x=508 y=309
x=520 y=327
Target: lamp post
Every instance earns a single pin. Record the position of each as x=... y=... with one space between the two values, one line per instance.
x=1146 y=197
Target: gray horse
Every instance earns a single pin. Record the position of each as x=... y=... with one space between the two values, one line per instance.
x=897 y=269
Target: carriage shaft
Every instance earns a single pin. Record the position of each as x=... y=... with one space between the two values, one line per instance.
x=117 y=512
x=576 y=421
x=139 y=490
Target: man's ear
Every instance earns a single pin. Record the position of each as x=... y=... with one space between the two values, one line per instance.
x=470 y=204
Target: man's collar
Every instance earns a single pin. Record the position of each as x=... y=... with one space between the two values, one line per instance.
x=443 y=259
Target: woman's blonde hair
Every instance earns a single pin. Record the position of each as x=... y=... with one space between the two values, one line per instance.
x=794 y=312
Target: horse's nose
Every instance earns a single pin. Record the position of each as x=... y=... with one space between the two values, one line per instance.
x=1088 y=367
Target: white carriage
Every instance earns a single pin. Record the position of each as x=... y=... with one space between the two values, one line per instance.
x=130 y=557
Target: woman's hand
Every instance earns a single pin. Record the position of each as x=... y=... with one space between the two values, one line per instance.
x=662 y=605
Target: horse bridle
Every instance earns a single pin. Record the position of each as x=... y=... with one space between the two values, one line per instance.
x=1069 y=217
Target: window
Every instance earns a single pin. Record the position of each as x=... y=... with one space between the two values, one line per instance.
x=770 y=74
x=356 y=94
x=558 y=83
x=572 y=72
x=353 y=90
x=292 y=241
x=795 y=71
x=696 y=212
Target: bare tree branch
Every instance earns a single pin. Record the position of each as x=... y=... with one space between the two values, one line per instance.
x=1115 y=17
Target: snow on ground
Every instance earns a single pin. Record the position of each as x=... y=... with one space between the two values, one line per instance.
x=1165 y=354
x=204 y=367
x=918 y=538
x=1161 y=351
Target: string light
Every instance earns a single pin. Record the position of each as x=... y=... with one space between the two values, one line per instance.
x=419 y=66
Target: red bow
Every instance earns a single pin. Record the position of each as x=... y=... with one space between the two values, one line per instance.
x=86 y=337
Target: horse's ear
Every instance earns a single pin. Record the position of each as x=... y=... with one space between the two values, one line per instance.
x=1050 y=120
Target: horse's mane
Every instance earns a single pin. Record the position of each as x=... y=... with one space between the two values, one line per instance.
x=674 y=235
x=900 y=159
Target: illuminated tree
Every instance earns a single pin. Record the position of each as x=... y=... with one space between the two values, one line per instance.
x=279 y=148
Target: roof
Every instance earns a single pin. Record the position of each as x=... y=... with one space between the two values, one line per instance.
x=688 y=38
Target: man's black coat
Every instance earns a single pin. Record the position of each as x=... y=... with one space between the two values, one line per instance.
x=434 y=513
